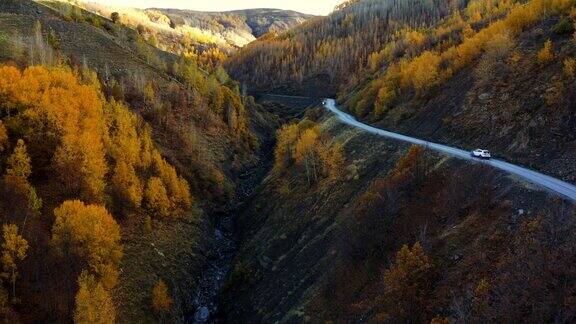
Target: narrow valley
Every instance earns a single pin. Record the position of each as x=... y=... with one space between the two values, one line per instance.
x=358 y=161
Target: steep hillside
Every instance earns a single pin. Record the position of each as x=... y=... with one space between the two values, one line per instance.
x=139 y=183
x=396 y=234
x=325 y=52
x=505 y=84
x=349 y=227
x=167 y=90
x=117 y=158
x=457 y=74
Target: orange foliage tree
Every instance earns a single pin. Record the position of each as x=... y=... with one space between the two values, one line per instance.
x=71 y=110
x=286 y=137
x=90 y=235
x=161 y=300
x=410 y=166
x=305 y=154
x=303 y=145
x=408 y=283
x=75 y=132
x=14 y=250
x=434 y=66
x=157 y=197
x=19 y=162
x=93 y=302
x=546 y=54
x=17 y=191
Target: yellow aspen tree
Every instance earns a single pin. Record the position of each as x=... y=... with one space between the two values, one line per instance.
x=422 y=72
x=468 y=31
x=93 y=302
x=149 y=93
x=332 y=159
x=407 y=281
x=304 y=153
x=126 y=185
x=546 y=54
x=161 y=300
x=19 y=161
x=14 y=249
x=286 y=137
x=89 y=235
x=177 y=188
x=157 y=197
x=19 y=192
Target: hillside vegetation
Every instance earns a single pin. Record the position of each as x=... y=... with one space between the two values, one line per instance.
x=442 y=58
x=504 y=82
x=332 y=49
x=114 y=156
x=443 y=73
x=140 y=183
x=72 y=153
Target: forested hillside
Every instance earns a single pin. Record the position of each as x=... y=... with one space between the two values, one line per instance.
x=328 y=51
x=503 y=78
x=435 y=69
x=140 y=183
x=114 y=154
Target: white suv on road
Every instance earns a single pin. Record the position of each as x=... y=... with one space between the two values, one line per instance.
x=481 y=154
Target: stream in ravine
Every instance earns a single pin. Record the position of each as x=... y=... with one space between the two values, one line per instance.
x=223 y=250
x=221 y=254
x=218 y=262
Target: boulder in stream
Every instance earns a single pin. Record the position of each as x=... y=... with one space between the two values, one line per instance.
x=202 y=314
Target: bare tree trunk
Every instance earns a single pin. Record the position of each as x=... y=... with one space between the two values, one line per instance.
x=13 y=284
x=314 y=168
x=307 y=171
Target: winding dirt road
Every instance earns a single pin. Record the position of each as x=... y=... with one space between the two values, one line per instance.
x=549 y=183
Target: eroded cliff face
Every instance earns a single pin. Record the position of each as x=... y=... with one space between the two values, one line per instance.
x=320 y=252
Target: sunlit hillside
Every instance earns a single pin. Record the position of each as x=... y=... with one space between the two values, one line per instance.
x=208 y=36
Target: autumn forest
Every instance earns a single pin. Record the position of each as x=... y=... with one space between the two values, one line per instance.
x=177 y=166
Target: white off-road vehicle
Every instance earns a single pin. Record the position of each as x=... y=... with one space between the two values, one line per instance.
x=481 y=154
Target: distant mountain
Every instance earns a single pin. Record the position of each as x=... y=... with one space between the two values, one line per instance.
x=176 y=29
x=236 y=27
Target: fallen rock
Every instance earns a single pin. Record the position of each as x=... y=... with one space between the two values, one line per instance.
x=485 y=96
x=352 y=172
x=202 y=314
